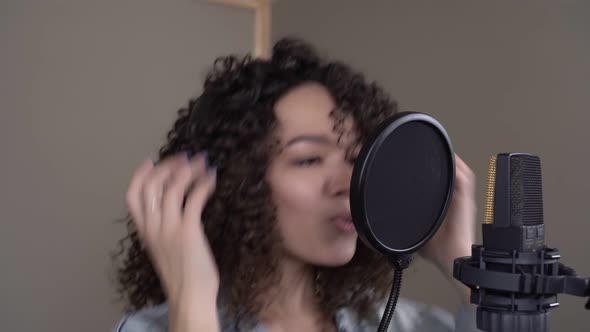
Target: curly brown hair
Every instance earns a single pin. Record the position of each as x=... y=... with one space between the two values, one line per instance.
x=234 y=120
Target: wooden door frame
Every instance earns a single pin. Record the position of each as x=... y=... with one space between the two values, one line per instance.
x=262 y=22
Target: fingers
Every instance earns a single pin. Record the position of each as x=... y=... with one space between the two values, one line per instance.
x=154 y=189
x=156 y=193
x=199 y=196
x=465 y=178
x=133 y=197
x=461 y=165
x=145 y=191
x=187 y=176
x=180 y=254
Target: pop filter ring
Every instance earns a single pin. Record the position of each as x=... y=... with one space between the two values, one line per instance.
x=360 y=174
x=400 y=258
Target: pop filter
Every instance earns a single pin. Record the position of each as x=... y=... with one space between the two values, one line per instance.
x=402 y=184
x=401 y=187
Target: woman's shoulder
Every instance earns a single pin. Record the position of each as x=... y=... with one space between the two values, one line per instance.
x=155 y=319
x=411 y=316
x=151 y=319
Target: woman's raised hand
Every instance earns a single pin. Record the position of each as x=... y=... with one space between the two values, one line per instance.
x=174 y=236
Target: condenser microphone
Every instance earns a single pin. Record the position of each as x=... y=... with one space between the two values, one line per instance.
x=514 y=278
x=513 y=216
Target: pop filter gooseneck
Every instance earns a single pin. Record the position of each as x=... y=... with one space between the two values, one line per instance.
x=401 y=187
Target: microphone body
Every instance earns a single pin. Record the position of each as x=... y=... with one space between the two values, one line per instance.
x=514 y=278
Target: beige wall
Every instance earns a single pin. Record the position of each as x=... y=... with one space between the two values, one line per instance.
x=500 y=75
x=87 y=91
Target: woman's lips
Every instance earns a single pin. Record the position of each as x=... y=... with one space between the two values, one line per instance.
x=343 y=223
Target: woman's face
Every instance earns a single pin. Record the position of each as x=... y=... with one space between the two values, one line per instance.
x=310 y=179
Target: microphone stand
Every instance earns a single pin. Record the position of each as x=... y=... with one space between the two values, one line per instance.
x=513 y=300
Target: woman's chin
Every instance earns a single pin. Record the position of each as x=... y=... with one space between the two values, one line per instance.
x=334 y=257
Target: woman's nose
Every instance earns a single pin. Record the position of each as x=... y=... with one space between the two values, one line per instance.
x=338 y=183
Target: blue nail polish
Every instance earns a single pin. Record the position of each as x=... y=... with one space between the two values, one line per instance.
x=206 y=157
x=189 y=154
x=213 y=171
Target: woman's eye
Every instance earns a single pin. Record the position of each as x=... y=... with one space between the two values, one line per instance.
x=307 y=161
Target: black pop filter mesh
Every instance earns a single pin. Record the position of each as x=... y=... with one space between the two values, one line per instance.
x=402 y=186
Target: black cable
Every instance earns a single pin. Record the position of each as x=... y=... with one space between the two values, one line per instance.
x=392 y=302
x=400 y=263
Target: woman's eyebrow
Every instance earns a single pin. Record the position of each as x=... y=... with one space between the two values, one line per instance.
x=319 y=139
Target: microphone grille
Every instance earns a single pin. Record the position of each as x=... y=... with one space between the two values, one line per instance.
x=526 y=190
x=490 y=192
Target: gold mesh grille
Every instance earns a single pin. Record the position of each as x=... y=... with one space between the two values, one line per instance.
x=490 y=190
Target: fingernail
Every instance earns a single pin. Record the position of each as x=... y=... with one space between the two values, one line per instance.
x=213 y=171
x=205 y=155
x=189 y=154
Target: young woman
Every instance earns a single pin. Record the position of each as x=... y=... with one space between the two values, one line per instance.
x=244 y=222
